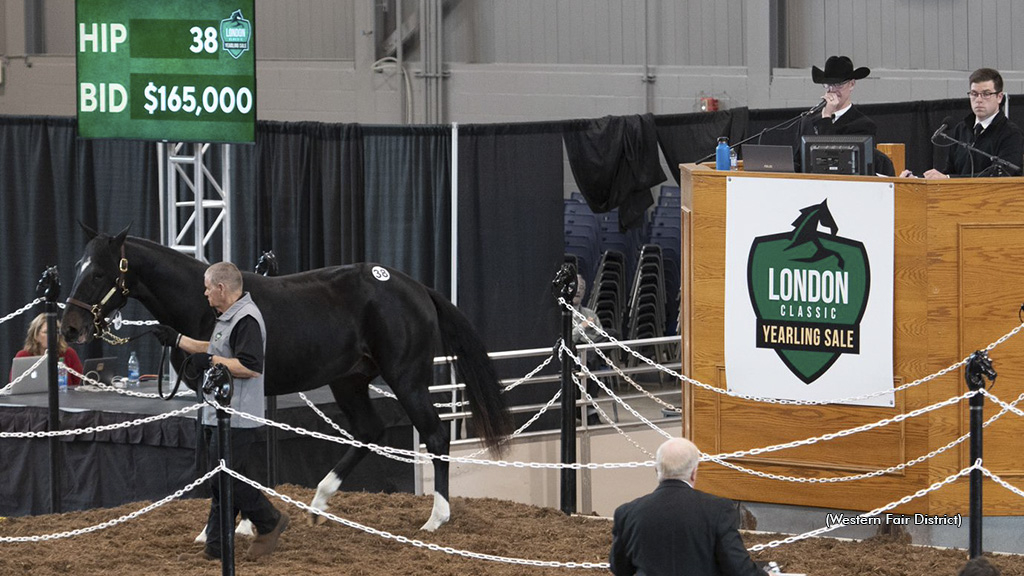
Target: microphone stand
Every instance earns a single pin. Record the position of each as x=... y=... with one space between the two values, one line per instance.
x=764 y=131
x=998 y=164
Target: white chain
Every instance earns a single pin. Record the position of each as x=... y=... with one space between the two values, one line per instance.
x=460 y=404
x=116 y=521
x=949 y=479
x=23 y=375
x=995 y=478
x=1006 y=407
x=345 y=433
x=21 y=310
x=725 y=392
x=527 y=424
x=411 y=541
x=626 y=377
x=124 y=391
x=593 y=402
x=446 y=458
x=898 y=467
x=846 y=432
x=105 y=427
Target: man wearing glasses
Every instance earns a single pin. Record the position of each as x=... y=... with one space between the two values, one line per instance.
x=987 y=129
x=839 y=116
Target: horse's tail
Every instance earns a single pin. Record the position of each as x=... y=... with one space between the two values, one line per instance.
x=491 y=418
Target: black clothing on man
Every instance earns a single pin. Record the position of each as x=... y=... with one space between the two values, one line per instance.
x=1002 y=138
x=677 y=530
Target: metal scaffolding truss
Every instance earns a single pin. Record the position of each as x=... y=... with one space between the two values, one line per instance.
x=191 y=214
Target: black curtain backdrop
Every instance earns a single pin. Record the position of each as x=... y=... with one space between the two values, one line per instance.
x=299 y=192
x=407 y=224
x=511 y=242
x=510 y=231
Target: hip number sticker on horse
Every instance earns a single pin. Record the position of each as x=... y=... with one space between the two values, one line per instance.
x=380 y=273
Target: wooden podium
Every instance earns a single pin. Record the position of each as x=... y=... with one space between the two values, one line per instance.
x=958 y=286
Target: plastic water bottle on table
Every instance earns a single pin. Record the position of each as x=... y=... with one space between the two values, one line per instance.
x=133 y=371
x=62 y=376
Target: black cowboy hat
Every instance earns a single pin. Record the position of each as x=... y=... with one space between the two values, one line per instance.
x=838 y=69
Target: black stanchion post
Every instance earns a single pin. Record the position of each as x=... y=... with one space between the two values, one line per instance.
x=267 y=266
x=218 y=381
x=564 y=286
x=979 y=366
x=49 y=288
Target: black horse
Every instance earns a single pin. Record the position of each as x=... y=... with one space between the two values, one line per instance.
x=337 y=327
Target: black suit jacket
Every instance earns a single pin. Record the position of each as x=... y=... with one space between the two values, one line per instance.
x=1002 y=138
x=679 y=531
x=853 y=122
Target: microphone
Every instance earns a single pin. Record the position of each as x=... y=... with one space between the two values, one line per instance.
x=817 y=108
x=945 y=124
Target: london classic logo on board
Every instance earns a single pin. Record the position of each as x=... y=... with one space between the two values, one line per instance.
x=235 y=32
x=809 y=290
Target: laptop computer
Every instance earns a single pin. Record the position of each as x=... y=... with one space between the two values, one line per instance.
x=763 y=158
x=101 y=369
x=36 y=381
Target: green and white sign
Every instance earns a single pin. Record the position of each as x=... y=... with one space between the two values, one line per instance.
x=809 y=289
x=175 y=70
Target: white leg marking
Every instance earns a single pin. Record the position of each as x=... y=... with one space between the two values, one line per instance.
x=245 y=528
x=439 y=515
x=325 y=489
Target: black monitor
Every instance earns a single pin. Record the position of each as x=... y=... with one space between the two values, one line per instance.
x=838 y=155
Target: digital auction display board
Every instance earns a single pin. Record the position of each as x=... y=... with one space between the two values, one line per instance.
x=175 y=70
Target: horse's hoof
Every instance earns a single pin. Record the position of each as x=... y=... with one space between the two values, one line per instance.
x=315 y=520
x=439 y=515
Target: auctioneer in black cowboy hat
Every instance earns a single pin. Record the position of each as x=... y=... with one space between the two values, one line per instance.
x=838 y=69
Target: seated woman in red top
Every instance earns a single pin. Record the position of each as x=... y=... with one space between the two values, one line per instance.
x=36 y=343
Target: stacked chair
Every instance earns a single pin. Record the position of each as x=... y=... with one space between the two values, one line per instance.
x=666 y=232
x=608 y=292
x=645 y=316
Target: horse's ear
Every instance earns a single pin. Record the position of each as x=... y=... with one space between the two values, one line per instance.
x=89 y=232
x=119 y=240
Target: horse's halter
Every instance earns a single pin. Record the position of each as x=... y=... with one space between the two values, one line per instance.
x=99 y=322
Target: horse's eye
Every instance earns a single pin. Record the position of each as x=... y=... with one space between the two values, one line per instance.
x=97 y=275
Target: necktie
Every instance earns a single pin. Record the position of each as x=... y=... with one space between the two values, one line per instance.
x=978 y=129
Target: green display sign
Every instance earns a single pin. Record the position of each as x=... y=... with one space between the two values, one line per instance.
x=174 y=70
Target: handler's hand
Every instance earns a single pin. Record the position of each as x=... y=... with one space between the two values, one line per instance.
x=200 y=361
x=166 y=335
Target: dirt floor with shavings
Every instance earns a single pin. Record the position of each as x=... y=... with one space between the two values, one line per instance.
x=152 y=543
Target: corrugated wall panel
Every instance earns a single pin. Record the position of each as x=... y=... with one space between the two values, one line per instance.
x=907 y=34
x=306 y=29
x=698 y=32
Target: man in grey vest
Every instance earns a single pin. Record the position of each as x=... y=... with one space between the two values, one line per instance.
x=239 y=343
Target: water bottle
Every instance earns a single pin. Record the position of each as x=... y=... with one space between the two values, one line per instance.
x=62 y=376
x=133 y=371
x=732 y=158
x=722 y=154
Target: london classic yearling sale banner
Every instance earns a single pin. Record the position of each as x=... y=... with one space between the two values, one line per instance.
x=809 y=289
